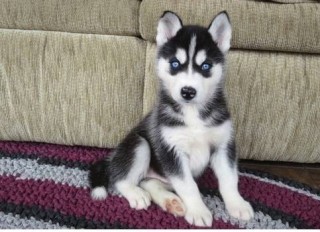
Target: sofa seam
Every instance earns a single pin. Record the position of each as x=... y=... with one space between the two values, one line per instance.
x=70 y=32
x=145 y=79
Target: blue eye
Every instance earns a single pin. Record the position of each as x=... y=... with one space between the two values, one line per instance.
x=206 y=67
x=175 y=64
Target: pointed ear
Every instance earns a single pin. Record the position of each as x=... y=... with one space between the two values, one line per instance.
x=168 y=26
x=220 y=30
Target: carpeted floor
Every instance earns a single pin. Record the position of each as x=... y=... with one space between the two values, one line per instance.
x=46 y=186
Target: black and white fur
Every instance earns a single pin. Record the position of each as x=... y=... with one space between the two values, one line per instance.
x=186 y=131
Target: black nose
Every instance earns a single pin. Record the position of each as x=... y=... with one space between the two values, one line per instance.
x=188 y=93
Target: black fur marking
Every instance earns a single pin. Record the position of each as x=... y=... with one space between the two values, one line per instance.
x=144 y=131
x=216 y=109
x=120 y=162
x=212 y=150
x=214 y=55
x=124 y=156
x=220 y=117
x=231 y=152
x=168 y=104
x=167 y=120
x=167 y=101
x=99 y=174
x=155 y=164
x=163 y=160
x=171 y=164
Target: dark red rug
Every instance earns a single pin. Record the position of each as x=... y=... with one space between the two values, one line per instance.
x=46 y=186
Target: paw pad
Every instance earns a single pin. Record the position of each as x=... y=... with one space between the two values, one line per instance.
x=175 y=207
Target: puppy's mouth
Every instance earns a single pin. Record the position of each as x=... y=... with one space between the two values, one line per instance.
x=189 y=102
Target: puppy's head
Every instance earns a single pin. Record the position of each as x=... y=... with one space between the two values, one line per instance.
x=191 y=58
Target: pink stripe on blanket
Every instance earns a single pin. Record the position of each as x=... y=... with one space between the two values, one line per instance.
x=273 y=196
x=66 y=199
x=284 y=199
x=75 y=153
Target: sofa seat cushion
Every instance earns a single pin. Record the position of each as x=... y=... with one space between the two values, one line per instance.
x=117 y=17
x=292 y=1
x=69 y=88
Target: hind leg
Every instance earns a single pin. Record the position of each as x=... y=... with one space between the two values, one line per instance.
x=128 y=186
x=162 y=196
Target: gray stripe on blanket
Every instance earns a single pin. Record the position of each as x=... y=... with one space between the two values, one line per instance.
x=259 y=221
x=9 y=221
x=282 y=185
x=30 y=169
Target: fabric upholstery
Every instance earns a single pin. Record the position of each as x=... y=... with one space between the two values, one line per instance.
x=293 y=1
x=69 y=88
x=256 y=25
x=274 y=101
x=81 y=72
x=115 y=17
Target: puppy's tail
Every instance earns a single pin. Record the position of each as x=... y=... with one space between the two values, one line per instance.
x=99 y=179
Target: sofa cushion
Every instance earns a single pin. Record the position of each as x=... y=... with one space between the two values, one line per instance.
x=69 y=88
x=274 y=101
x=292 y=1
x=256 y=25
x=117 y=17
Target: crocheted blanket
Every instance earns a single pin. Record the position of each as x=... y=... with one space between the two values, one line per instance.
x=46 y=186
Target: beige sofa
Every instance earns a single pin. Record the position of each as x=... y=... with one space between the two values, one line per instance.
x=82 y=72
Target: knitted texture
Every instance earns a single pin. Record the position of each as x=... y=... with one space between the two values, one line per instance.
x=46 y=186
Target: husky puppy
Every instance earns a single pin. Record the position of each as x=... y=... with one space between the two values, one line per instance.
x=188 y=130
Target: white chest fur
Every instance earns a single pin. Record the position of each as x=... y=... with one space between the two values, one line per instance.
x=196 y=138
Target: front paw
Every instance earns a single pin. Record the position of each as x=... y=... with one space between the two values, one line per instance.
x=240 y=209
x=138 y=198
x=199 y=215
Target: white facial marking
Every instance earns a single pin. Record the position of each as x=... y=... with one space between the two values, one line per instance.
x=217 y=73
x=201 y=57
x=192 y=48
x=181 y=55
